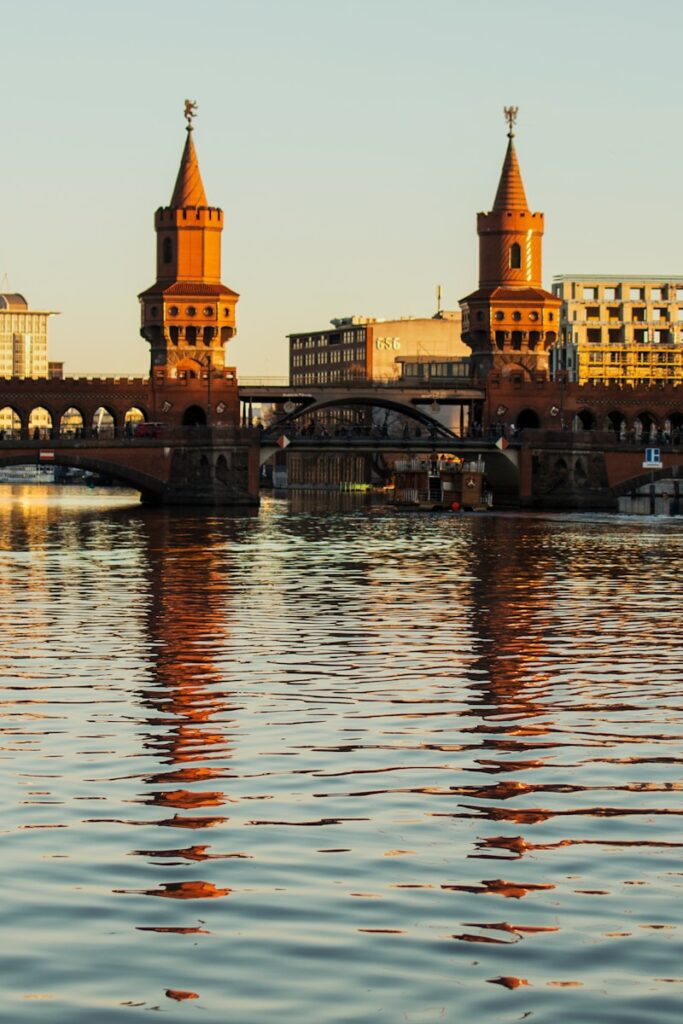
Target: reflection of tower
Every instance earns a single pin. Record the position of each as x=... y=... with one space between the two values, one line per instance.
x=510 y=322
x=185 y=623
x=188 y=315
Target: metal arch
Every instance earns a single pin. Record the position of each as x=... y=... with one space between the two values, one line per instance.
x=369 y=401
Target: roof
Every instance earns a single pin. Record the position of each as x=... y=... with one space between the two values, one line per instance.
x=188 y=289
x=13 y=300
x=189 y=190
x=510 y=194
x=616 y=278
x=510 y=294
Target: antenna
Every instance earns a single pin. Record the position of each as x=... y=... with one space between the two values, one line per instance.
x=438 y=300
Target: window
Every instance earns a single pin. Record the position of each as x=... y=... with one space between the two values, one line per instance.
x=168 y=250
x=589 y=294
x=515 y=256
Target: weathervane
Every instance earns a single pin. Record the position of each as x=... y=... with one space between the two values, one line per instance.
x=190 y=112
x=510 y=117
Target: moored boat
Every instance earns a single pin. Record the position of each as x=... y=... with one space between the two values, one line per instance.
x=441 y=483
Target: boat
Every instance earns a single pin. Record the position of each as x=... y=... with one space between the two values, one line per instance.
x=441 y=483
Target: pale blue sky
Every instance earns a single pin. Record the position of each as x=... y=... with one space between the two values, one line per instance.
x=350 y=144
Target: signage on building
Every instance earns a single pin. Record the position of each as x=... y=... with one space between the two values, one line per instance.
x=387 y=343
x=653 y=459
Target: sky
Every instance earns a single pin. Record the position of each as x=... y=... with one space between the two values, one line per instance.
x=350 y=144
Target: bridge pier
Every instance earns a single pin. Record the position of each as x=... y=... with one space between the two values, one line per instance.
x=209 y=474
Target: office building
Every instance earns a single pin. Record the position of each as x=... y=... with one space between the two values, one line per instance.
x=622 y=330
x=357 y=349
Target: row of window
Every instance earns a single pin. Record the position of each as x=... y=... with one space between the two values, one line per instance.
x=324 y=357
x=634 y=293
x=336 y=338
x=641 y=358
x=36 y=322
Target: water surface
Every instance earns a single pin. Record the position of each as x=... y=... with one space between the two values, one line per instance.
x=338 y=765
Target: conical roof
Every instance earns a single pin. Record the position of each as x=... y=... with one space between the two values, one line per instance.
x=510 y=194
x=189 y=190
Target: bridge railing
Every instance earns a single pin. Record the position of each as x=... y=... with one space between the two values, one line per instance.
x=154 y=434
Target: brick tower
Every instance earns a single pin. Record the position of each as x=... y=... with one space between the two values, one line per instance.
x=510 y=322
x=188 y=315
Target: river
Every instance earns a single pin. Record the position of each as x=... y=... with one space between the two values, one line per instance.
x=334 y=763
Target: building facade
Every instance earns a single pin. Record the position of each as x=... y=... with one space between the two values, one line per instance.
x=622 y=330
x=23 y=338
x=357 y=349
x=510 y=322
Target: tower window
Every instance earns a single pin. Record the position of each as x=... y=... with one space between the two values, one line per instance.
x=515 y=256
x=168 y=250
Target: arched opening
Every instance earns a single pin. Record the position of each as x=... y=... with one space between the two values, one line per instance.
x=209 y=334
x=616 y=421
x=168 y=250
x=515 y=256
x=222 y=469
x=528 y=420
x=204 y=469
x=580 y=474
x=39 y=424
x=10 y=424
x=649 y=428
x=103 y=423
x=194 y=416
x=676 y=420
x=517 y=341
x=132 y=418
x=500 y=340
x=191 y=335
x=534 y=338
x=586 y=420
x=71 y=423
x=188 y=368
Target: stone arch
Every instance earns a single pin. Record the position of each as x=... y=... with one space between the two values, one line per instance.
x=71 y=422
x=189 y=368
x=649 y=425
x=586 y=419
x=616 y=421
x=10 y=423
x=515 y=256
x=222 y=469
x=528 y=419
x=673 y=426
x=39 y=423
x=103 y=423
x=194 y=416
x=133 y=416
x=580 y=474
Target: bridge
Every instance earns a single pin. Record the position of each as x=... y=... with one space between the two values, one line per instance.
x=173 y=439
x=418 y=401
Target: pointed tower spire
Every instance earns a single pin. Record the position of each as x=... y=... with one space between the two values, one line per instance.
x=189 y=190
x=510 y=194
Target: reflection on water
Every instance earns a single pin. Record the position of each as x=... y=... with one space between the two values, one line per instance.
x=338 y=765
